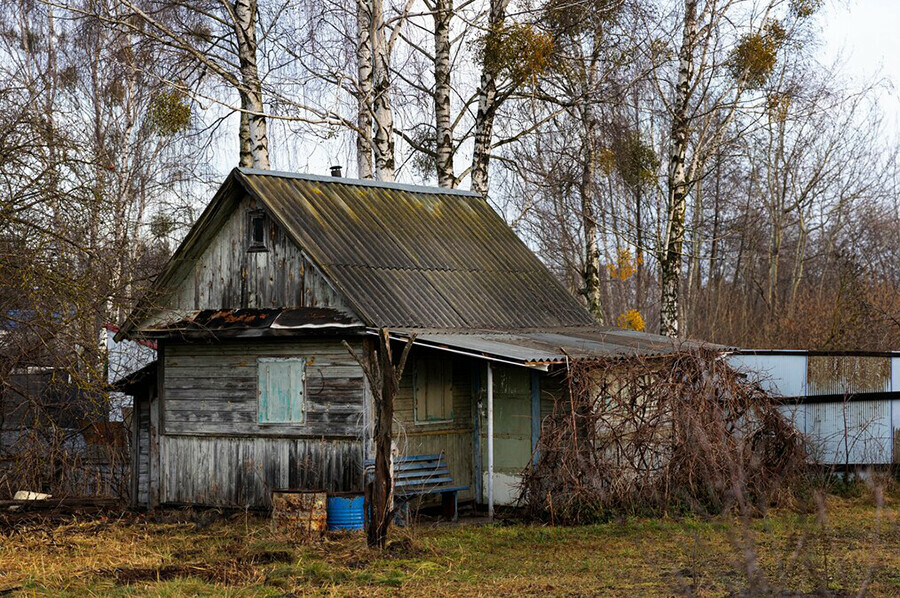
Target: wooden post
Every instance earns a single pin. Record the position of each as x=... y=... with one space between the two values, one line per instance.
x=136 y=445
x=535 y=414
x=478 y=466
x=490 y=439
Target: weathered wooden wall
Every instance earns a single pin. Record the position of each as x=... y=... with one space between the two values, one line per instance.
x=454 y=438
x=212 y=448
x=239 y=472
x=141 y=451
x=210 y=389
x=224 y=275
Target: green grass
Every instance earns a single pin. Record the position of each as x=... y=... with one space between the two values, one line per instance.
x=857 y=545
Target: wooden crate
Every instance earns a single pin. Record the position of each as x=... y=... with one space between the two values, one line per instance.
x=300 y=510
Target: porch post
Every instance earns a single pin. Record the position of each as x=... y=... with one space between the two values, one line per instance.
x=535 y=415
x=490 y=439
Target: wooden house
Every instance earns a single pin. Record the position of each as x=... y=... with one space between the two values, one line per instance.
x=253 y=389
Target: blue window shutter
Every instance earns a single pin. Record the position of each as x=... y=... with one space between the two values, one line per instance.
x=281 y=394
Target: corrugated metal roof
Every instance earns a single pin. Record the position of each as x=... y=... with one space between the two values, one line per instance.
x=416 y=257
x=548 y=347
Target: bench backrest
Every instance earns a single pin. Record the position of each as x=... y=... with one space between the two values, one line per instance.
x=418 y=472
x=421 y=472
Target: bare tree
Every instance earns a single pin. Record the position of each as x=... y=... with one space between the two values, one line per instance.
x=383 y=376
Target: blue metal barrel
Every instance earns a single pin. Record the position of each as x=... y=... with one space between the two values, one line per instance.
x=346 y=512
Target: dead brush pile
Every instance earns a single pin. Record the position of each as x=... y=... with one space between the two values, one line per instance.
x=657 y=435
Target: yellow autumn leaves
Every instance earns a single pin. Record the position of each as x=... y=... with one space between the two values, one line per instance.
x=624 y=268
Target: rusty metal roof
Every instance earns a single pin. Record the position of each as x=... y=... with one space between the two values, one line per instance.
x=416 y=257
x=220 y=322
x=536 y=348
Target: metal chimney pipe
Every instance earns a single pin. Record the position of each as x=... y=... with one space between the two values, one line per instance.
x=336 y=171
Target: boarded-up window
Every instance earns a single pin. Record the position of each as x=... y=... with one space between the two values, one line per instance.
x=433 y=390
x=280 y=388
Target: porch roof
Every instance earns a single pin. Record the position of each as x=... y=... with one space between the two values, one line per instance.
x=546 y=347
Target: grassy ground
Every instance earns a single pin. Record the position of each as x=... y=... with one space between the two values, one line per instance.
x=856 y=549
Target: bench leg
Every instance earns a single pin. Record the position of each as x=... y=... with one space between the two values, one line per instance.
x=449 y=505
x=401 y=514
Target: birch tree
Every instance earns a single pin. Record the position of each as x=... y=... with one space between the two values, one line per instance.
x=443 y=127
x=216 y=37
x=670 y=263
x=487 y=99
x=382 y=113
x=728 y=51
x=254 y=141
x=364 y=95
x=588 y=74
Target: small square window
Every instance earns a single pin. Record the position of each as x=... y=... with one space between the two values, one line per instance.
x=280 y=388
x=433 y=390
x=256 y=231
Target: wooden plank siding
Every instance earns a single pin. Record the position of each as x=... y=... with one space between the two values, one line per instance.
x=213 y=450
x=141 y=466
x=211 y=389
x=242 y=472
x=224 y=275
x=454 y=438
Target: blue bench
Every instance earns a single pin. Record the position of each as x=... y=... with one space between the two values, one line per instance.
x=420 y=475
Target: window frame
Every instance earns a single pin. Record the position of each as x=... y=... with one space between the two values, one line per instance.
x=302 y=362
x=254 y=245
x=446 y=370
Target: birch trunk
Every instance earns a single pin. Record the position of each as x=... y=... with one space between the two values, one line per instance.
x=774 y=259
x=383 y=114
x=589 y=220
x=799 y=258
x=364 y=108
x=246 y=145
x=487 y=108
x=671 y=262
x=694 y=277
x=443 y=148
x=254 y=134
x=713 y=285
x=639 y=241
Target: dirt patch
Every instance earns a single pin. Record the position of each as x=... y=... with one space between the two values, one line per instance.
x=782 y=594
x=403 y=548
x=267 y=557
x=230 y=572
x=135 y=575
x=216 y=574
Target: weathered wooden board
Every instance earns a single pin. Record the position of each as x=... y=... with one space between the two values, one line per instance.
x=223 y=400
x=142 y=453
x=242 y=472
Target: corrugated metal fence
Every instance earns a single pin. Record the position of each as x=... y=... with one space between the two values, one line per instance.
x=842 y=424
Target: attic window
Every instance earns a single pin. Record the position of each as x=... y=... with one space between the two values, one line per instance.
x=256 y=231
